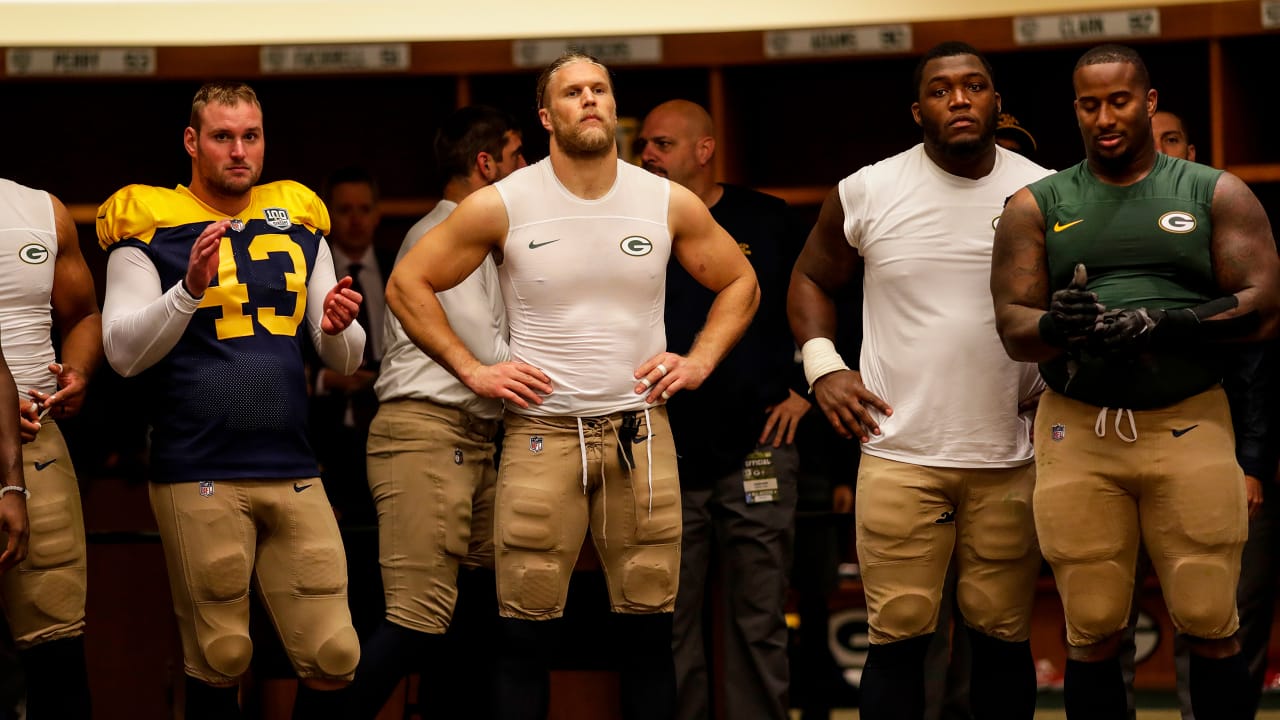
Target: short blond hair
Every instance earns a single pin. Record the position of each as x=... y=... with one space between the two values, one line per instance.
x=221 y=93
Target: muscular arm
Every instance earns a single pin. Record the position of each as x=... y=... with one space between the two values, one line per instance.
x=1020 y=279
x=342 y=351
x=826 y=264
x=13 y=506
x=75 y=312
x=10 y=445
x=444 y=257
x=1244 y=257
x=714 y=259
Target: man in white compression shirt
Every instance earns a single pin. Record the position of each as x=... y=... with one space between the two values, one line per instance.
x=582 y=242
x=45 y=281
x=208 y=288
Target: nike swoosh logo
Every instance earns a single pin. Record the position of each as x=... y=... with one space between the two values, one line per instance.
x=45 y=464
x=639 y=439
x=1059 y=227
x=535 y=245
x=1184 y=431
x=300 y=488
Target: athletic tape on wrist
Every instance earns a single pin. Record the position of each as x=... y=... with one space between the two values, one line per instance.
x=820 y=358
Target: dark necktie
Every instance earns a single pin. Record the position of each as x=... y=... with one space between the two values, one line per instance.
x=363 y=317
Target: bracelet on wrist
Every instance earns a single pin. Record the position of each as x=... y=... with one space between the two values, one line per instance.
x=14 y=488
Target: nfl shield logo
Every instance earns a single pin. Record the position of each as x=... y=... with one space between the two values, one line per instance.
x=1058 y=432
x=535 y=444
x=206 y=488
x=237 y=225
x=457 y=456
x=277 y=218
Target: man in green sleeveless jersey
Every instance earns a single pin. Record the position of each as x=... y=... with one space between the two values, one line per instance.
x=1155 y=261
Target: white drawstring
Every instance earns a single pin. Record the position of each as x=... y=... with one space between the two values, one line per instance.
x=604 y=486
x=1100 y=425
x=604 y=497
x=582 y=446
x=648 y=454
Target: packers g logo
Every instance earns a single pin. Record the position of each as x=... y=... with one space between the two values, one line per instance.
x=1177 y=222
x=636 y=246
x=33 y=254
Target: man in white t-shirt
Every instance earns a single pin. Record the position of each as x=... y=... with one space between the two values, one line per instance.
x=947 y=461
x=432 y=465
x=582 y=241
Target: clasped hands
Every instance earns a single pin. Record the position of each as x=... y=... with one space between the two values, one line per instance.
x=1087 y=323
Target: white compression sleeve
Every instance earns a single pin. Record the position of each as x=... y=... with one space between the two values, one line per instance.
x=342 y=352
x=140 y=322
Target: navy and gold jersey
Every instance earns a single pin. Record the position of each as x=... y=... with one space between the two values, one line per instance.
x=229 y=401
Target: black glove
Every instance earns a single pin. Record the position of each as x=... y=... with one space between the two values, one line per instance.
x=1073 y=312
x=1125 y=331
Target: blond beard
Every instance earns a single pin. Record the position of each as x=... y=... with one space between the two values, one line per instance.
x=576 y=142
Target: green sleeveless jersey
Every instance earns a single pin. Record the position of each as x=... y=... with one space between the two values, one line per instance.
x=1144 y=245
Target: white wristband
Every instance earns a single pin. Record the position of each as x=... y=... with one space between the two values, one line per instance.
x=14 y=488
x=820 y=358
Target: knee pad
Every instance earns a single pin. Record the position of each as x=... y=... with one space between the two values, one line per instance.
x=339 y=654
x=1095 y=598
x=45 y=605
x=906 y=616
x=1202 y=598
x=530 y=583
x=650 y=576
x=229 y=655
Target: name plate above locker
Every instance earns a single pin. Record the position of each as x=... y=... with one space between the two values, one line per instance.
x=305 y=59
x=838 y=41
x=1040 y=29
x=80 y=61
x=1271 y=14
x=608 y=50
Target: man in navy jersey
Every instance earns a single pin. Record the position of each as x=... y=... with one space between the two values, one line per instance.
x=208 y=288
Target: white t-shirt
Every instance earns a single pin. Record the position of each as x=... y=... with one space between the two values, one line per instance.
x=476 y=313
x=930 y=348
x=28 y=251
x=584 y=282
